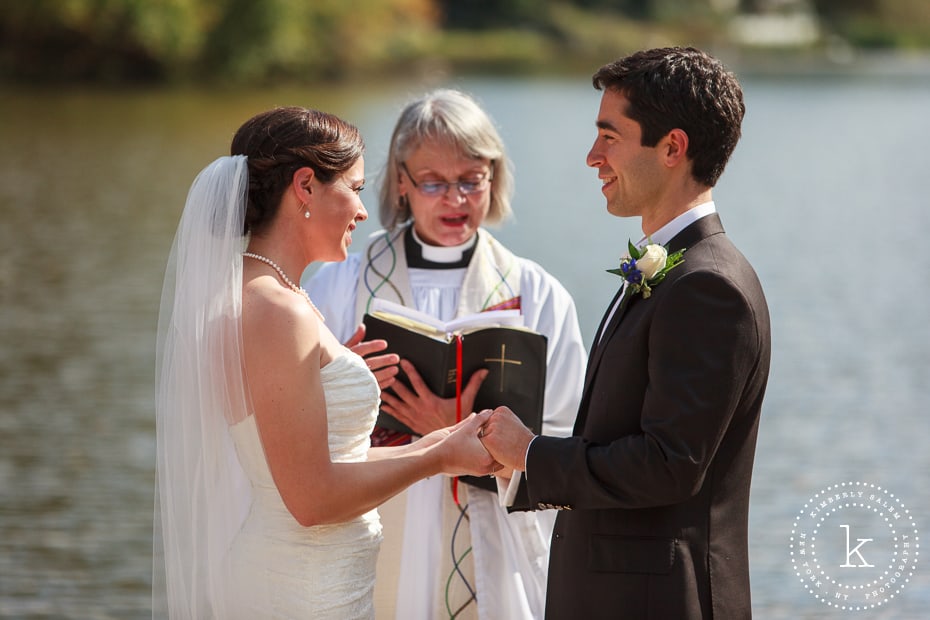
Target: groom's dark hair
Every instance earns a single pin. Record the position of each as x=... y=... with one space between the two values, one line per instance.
x=681 y=88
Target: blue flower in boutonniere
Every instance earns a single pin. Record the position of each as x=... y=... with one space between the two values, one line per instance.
x=645 y=269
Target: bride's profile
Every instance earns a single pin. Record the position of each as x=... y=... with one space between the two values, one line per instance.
x=266 y=481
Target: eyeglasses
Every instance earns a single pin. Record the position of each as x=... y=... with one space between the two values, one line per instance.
x=465 y=187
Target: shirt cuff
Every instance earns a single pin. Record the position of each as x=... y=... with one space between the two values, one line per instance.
x=527 y=455
x=507 y=492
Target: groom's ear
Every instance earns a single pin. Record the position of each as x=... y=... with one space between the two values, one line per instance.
x=674 y=147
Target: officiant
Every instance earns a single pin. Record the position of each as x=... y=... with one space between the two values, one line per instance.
x=450 y=549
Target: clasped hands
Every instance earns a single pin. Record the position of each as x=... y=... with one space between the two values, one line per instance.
x=506 y=438
x=490 y=442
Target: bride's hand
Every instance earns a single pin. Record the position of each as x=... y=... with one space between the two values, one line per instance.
x=438 y=435
x=462 y=450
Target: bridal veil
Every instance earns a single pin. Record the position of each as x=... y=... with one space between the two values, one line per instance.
x=202 y=493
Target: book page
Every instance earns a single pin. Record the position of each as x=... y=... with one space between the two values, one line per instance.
x=409 y=318
x=492 y=318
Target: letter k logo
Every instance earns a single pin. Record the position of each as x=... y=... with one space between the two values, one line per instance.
x=850 y=552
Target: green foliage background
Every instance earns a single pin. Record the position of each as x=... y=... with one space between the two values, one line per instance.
x=110 y=41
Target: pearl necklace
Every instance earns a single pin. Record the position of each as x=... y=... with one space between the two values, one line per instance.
x=286 y=280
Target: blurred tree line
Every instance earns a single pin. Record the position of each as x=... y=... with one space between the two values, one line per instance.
x=305 y=40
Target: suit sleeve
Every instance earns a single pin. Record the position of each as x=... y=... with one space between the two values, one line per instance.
x=701 y=346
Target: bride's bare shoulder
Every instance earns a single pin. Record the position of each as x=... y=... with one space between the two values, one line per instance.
x=269 y=307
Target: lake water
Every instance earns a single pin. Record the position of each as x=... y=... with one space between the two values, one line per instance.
x=826 y=195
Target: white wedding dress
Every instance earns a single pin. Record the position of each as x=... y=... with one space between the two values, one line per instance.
x=285 y=570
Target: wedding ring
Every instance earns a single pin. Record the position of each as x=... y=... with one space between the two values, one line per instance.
x=480 y=432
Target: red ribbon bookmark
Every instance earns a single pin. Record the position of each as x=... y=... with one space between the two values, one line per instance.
x=458 y=404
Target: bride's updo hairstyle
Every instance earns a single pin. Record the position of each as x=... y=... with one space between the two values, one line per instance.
x=279 y=142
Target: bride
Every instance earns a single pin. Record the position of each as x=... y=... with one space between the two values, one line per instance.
x=267 y=484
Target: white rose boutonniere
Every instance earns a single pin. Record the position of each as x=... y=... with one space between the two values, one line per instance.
x=646 y=268
x=652 y=261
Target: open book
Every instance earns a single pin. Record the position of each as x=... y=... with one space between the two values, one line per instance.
x=443 y=352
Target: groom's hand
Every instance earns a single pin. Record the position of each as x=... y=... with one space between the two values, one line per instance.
x=506 y=438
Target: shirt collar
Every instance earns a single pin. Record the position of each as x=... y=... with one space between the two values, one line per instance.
x=668 y=232
x=422 y=255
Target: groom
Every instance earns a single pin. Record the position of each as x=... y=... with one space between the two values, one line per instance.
x=653 y=486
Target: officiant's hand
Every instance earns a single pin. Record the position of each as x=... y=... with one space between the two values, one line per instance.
x=384 y=367
x=506 y=438
x=421 y=409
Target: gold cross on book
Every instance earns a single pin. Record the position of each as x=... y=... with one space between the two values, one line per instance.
x=503 y=360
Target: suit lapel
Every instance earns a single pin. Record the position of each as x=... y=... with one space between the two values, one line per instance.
x=597 y=351
x=601 y=329
x=688 y=237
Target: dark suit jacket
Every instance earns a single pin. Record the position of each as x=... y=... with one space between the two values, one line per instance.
x=654 y=484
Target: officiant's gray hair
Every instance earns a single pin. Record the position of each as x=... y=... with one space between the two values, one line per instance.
x=451 y=117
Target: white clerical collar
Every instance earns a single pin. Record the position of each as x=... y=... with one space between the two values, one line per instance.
x=443 y=253
x=667 y=232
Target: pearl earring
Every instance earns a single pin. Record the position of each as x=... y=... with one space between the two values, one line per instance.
x=307 y=214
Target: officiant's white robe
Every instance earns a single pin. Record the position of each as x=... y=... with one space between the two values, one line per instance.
x=510 y=551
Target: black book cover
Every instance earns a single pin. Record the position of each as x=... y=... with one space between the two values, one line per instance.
x=515 y=358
